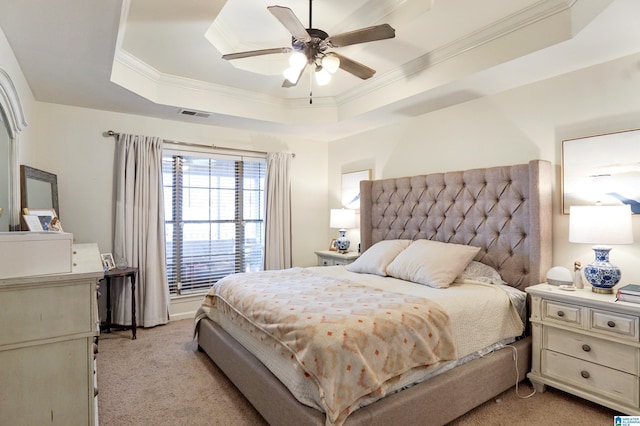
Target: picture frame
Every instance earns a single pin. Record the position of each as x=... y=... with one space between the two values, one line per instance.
x=350 y=195
x=107 y=261
x=602 y=169
x=332 y=246
x=48 y=219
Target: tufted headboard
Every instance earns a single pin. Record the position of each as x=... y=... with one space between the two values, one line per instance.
x=506 y=211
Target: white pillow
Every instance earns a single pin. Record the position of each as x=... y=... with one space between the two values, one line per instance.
x=377 y=257
x=477 y=271
x=432 y=263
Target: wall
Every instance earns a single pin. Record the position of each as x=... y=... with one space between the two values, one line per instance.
x=71 y=144
x=9 y=63
x=512 y=127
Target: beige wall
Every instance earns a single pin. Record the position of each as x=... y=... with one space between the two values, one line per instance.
x=512 y=127
x=70 y=143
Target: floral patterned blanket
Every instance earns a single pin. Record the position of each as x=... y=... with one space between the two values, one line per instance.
x=348 y=338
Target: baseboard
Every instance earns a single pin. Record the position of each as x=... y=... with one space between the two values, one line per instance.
x=185 y=307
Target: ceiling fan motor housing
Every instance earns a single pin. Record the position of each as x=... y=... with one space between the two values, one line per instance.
x=312 y=48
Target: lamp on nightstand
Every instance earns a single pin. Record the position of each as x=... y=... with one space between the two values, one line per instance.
x=343 y=219
x=601 y=225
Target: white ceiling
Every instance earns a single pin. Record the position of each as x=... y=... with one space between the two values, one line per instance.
x=157 y=57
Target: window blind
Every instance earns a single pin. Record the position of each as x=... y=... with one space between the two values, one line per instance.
x=214 y=218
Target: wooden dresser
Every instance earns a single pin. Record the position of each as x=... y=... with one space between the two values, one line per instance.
x=48 y=325
x=586 y=344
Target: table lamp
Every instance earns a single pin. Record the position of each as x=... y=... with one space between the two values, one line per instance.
x=342 y=218
x=601 y=225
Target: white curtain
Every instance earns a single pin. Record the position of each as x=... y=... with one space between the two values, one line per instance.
x=277 y=253
x=139 y=230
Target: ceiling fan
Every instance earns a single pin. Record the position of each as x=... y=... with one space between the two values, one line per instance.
x=311 y=46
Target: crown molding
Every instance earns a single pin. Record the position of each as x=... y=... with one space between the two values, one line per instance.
x=535 y=13
x=159 y=79
x=510 y=24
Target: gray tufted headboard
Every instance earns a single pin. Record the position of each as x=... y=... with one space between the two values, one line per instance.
x=504 y=210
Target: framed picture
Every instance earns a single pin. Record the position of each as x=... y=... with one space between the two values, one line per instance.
x=602 y=169
x=351 y=188
x=47 y=218
x=332 y=246
x=107 y=261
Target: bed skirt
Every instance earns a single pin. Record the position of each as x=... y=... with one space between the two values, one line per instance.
x=435 y=402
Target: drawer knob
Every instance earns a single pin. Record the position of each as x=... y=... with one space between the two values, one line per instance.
x=586 y=348
x=585 y=374
x=560 y=313
x=611 y=324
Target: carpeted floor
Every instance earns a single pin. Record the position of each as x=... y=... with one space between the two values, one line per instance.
x=161 y=379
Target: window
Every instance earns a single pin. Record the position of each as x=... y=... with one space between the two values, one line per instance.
x=214 y=218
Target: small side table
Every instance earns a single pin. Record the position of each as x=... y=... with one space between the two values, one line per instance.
x=131 y=273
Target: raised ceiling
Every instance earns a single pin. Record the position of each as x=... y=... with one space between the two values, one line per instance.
x=159 y=57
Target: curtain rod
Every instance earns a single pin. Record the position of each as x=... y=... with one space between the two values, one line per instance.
x=112 y=133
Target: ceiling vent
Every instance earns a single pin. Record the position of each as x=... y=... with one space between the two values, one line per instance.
x=194 y=113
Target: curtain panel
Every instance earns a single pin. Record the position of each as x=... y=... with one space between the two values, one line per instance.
x=277 y=254
x=139 y=237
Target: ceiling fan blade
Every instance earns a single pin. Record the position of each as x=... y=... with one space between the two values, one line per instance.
x=290 y=21
x=286 y=83
x=261 y=52
x=355 y=68
x=363 y=35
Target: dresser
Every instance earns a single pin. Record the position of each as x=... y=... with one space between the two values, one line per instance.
x=331 y=258
x=48 y=325
x=586 y=344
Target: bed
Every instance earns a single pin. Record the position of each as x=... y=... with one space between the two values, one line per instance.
x=504 y=213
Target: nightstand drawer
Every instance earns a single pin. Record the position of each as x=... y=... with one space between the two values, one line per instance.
x=615 y=324
x=610 y=354
x=614 y=384
x=562 y=312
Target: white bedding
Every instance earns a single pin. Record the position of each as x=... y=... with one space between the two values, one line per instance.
x=482 y=315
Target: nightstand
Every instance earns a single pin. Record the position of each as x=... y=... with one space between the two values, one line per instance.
x=586 y=344
x=330 y=258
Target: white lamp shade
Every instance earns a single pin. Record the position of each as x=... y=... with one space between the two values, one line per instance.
x=600 y=224
x=331 y=63
x=297 y=60
x=323 y=77
x=342 y=218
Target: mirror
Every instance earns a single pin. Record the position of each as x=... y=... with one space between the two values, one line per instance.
x=5 y=212
x=12 y=122
x=38 y=189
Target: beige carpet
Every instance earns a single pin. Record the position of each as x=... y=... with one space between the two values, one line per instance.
x=161 y=379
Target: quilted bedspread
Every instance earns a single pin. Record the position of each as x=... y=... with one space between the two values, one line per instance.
x=348 y=338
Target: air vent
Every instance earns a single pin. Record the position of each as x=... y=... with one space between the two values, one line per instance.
x=194 y=113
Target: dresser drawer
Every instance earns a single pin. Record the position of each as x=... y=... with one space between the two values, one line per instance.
x=562 y=312
x=614 y=324
x=613 y=384
x=46 y=311
x=610 y=354
x=325 y=262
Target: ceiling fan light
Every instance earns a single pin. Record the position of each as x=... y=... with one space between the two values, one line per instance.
x=331 y=63
x=322 y=77
x=297 y=60
x=292 y=74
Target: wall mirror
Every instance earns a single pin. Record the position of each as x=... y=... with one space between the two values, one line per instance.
x=12 y=122
x=5 y=213
x=38 y=189
x=602 y=169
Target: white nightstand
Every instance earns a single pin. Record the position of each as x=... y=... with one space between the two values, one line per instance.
x=586 y=344
x=330 y=258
